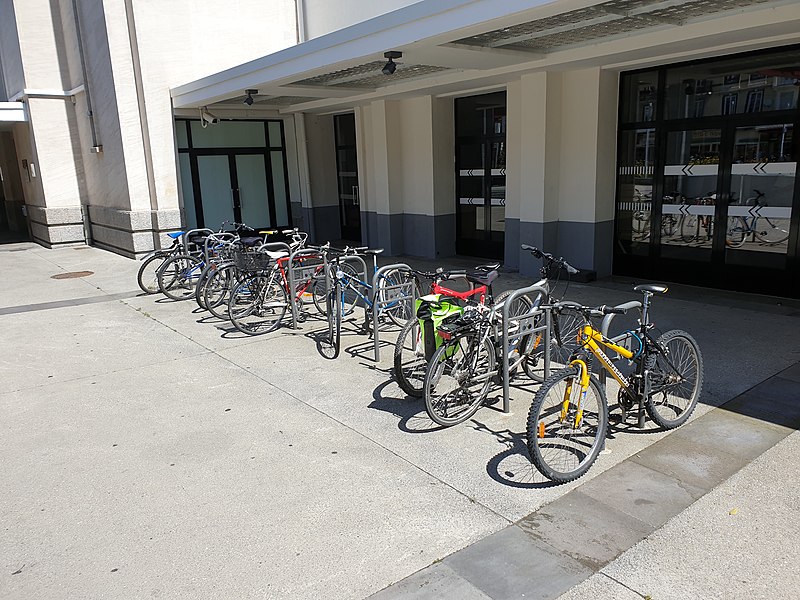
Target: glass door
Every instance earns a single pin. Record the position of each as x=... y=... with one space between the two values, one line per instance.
x=690 y=193
x=216 y=191
x=762 y=184
x=481 y=175
x=251 y=190
x=347 y=176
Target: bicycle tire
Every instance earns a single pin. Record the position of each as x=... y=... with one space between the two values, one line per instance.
x=565 y=326
x=668 y=224
x=522 y=306
x=330 y=343
x=218 y=289
x=178 y=276
x=777 y=230
x=200 y=286
x=147 y=277
x=258 y=304
x=683 y=361
x=690 y=228
x=409 y=359
x=736 y=233
x=320 y=297
x=458 y=377
x=551 y=434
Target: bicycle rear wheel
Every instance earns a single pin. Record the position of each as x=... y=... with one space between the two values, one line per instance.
x=566 y=428
x=737 y=232
x=258 y=304
x=147 y=277
x=200 y=285
x=676 y=379
x=457 y=379
x=400 y=310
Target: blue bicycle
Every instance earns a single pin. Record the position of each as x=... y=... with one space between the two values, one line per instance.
x=347 y=290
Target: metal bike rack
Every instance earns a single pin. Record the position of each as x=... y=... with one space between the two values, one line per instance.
x=298 y=271
x=604 y=326
x=185 y=236
x=525 y=325
x=401 y=292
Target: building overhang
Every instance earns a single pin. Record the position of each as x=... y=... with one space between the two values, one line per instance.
x=455 y=46
x=12 y=112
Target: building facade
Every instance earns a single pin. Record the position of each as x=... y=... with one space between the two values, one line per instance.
x=651 y=138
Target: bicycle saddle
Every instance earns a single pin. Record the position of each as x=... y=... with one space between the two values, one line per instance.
x=489 y=267
x=374 y=251
x=249 y=242
x=277 y=254
x=175 y=234
x=653 y=288
x=482 y=277
x=198 y=239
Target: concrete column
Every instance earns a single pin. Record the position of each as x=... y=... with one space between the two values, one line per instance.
x=532 y=172
x=588 y=158
x=321 y=211
x=382 y=206
x=560 y=174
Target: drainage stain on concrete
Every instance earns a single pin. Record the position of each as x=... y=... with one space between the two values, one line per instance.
x=72 y=275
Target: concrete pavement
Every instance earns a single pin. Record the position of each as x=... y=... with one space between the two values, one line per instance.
x=153 y=452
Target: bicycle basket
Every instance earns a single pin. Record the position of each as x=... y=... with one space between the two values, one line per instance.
x=251 y=261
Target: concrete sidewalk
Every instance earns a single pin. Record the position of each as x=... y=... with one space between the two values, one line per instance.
x=151 y=451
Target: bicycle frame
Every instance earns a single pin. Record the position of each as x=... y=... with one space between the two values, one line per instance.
x=592 y=339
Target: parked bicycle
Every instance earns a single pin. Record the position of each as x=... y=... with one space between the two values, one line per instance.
x=767 y=230
x=347 y=290
x=568 y=419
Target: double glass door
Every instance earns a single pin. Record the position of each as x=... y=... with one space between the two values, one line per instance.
x=481 y=175
x=720 y=195
x=234 y=171
x=727 y=193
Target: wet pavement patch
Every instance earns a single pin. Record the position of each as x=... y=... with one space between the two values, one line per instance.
x=72 y=275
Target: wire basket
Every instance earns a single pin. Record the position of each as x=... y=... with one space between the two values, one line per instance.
x=251 y=261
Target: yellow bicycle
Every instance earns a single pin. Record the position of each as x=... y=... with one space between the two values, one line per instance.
x=568 y=419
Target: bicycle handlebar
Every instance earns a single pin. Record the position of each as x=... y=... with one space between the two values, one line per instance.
x=550 y=258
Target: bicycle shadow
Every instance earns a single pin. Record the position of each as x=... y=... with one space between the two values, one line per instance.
x=410 y=410
x=512 y=467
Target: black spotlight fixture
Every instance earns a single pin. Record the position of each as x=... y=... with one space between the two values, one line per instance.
x=390 y=67
x=249 y=100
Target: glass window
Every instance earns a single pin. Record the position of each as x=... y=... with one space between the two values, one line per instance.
x=181 y=135
x=639 y=97
x=229 y=134
x=275 y=140
x=750 y=84
x=635 y=190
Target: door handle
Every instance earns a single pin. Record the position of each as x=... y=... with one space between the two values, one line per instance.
x=356 y=200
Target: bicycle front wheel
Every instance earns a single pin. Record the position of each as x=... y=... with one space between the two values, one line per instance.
x=457 y=380
x=409 y=359
x=258 y=304
x=178 y=276
x=772 y=231
x=566 y=428
x=676 y=378
x=218 y=290
x=330 y=343
x=690 y=228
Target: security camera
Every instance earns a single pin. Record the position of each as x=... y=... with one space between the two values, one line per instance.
x=249 y=98
x=206 y=118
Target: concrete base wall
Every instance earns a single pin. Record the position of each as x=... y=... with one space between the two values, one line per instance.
x=56 y=226
x=132 y=233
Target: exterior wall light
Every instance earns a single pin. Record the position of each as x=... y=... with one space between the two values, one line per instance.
x=249 y=100
x=390 y=67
